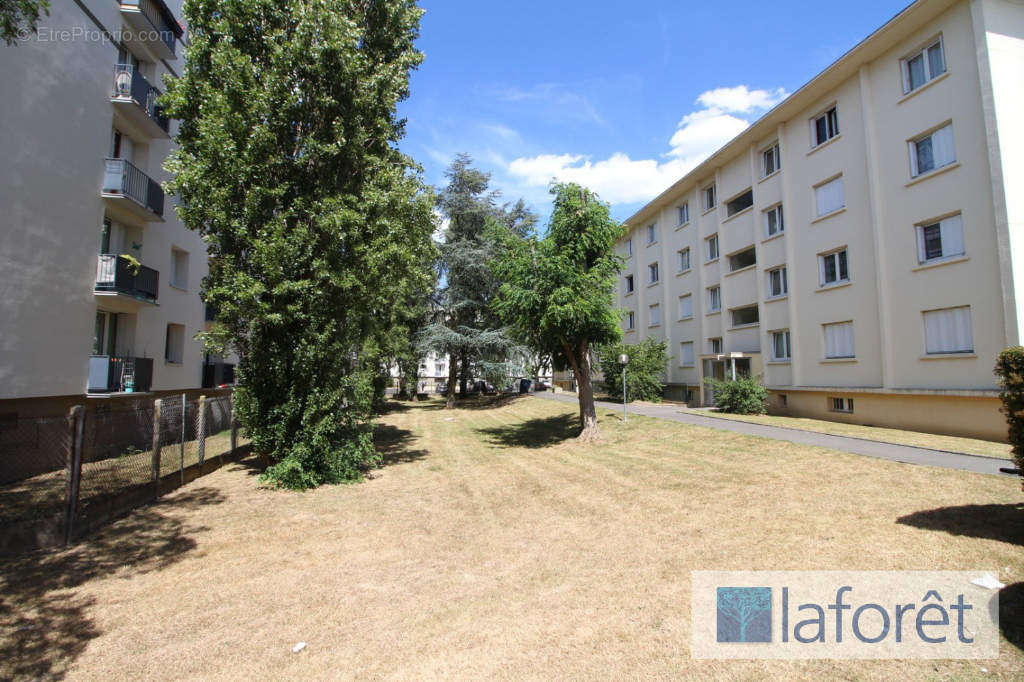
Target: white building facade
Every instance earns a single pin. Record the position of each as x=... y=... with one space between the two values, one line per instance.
x=100 y=279
x=861 y=246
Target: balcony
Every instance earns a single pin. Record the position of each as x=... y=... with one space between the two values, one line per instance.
x=112 y=374
x=135 y=99
x=122 y=285
x=153 y=26
x=131 y=192
x=218 y=374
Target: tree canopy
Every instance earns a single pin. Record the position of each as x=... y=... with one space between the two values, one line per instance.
x=316 y=225
x=18 y=18
x=562 y=286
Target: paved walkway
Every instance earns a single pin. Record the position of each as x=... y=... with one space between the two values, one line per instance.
x=858 y=446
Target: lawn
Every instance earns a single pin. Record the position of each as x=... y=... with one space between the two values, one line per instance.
x=492 y=545
x=971 y=446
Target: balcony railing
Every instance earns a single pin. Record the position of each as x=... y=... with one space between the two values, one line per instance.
x=118 y=274
x=160 y=18
x=130 y=84
x=218 y=374
x=122 y=177
x=109 y=373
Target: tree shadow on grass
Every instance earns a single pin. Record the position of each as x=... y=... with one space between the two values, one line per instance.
x=393 y=445
x=44 y=622
x=1011 y=614
x=533 y=433
x=397 y=405
x=1003 y=522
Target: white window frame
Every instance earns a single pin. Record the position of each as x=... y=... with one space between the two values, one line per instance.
x=837 y=404
x=951 y=239
x=928 y=75
x=684 y=259
x=831 y=125
x=685 y=306
x=709 y=197
x=629 y=283
x=654 y=315
x=786 y=342
x=783 y=281
x=709 y=241
x=714 y=292
x=839 y=278
x=715 y=345
x=179 y=275
x=630 y=320
x=780 y=222
x=937 y=163
x=652 y=234
x=683 y=213
x=774 y=152
x=686 y=354
x=963 y=344
x=818 y=213
x=653 y=273
x=853 y=340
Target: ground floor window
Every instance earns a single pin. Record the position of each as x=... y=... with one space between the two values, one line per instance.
x=842 y=404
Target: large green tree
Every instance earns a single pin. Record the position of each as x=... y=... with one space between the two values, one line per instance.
x=465 y=326
x=18 y=18
x=563 y=286
x=315 y=223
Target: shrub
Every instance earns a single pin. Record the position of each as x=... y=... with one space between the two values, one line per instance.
x=746 y=395
x=1010 y=370
x=643 y=373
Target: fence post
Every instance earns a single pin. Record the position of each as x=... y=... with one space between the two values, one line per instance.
x=234 y=424
x=201 y=432
x=181 y=449
x=155 y=473
x=76 y=433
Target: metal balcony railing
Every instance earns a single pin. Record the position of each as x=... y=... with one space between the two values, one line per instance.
x=109 y=373
x=161 y=18
x=117 y=273
x=122 y=177
x=130 y=84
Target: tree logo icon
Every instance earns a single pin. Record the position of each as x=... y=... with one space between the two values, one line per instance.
x=744 y=614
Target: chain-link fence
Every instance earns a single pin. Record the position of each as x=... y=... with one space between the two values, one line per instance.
x=78 y=471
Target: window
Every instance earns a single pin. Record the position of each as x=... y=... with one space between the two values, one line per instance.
x=715 y=345
x=948 y=331
x=842 y=404
x=686 y=353
x=685 y=306
x=926 y=65
x=780 y=346
x=942 y=239
x=174 y=347
x=771 y=160
x=440 y=368
x=744 y=316
x=833 y=267
x=824 y=127
x=932 y=151
x=654 y=315
x=652 y=234
x=830 y=196
x=839 y=340
x=742 y=259
x=629 y=284
x=652 y=273
x=712 y=247
x=778 y=282
x=783 y=400
x=710 y=198
x=683 y=214
x=179 y=268
x=740 y=203
x=629 y=247
x=630 y=321
x=714 y=299
x=773 y=223
x=684 y=259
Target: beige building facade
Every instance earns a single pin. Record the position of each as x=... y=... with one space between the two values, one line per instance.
x=861 y=246
x=100 y=279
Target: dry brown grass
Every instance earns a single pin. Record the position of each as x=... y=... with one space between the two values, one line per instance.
x=971 y=446
x=492 y=545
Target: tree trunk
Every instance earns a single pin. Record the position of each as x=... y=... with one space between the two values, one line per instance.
x=463 y=372
x=588 y=414
x=453 y=376
x=415 y=395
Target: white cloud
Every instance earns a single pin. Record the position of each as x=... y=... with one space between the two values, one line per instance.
x=620 y=179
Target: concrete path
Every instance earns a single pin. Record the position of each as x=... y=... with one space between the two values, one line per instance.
x=858 y=446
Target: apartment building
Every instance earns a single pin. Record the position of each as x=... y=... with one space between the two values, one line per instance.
x=100 y=279
x=861 y=246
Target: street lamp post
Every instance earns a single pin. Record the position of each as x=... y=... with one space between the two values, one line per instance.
x=623 y=360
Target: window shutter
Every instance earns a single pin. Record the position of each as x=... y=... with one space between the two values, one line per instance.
x=830 y=196
x=952 y=230
x=943 y=151
x=839 y=340
x=948 y=331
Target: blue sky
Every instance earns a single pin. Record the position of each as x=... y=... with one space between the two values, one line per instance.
x=624 y=97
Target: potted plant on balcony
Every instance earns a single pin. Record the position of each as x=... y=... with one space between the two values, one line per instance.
x=133 y=263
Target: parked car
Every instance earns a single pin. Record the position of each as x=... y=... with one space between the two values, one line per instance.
x=542 y=386
x=442 y=387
